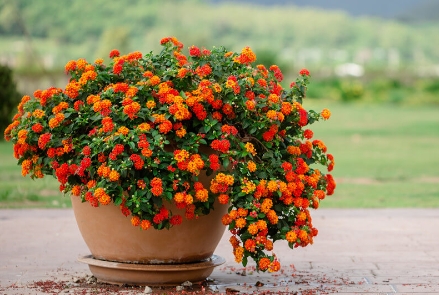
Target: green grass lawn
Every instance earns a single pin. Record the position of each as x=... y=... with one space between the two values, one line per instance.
x=17 y=191
x=386 y=157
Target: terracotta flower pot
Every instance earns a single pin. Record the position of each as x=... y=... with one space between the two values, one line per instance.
x=163 y=256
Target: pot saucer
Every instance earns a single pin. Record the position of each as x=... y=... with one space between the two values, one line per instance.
x=151 y=274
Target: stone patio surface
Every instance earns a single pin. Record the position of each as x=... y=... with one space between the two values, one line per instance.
x=361 y=251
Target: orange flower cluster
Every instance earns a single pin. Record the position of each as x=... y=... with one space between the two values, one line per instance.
x=132 y=109
x=102 y=196
x=326 y=114
x=156 y=186
x=251 y=166
x=102 y=106
x=187 y=162
x=201 y=194
x=54 y=122
x=246 y=57
x=221 y=183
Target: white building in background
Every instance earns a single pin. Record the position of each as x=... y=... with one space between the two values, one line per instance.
x=349 y=69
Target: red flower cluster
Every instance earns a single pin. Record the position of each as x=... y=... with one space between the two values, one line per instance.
x=121 y=87
x=118 y=66
x=304 y=72
x=91 y=199
x=221 y=145
x=123 y=208
x=85 y=163
x=214 y=162
x=303 y=117
x=138 y=161
x=176 y=219
x=287 y=166
x=331 y=162
x=43 y=140
x=77 y=105
x=308 y=134
x=194 y=51
x=37 y=128
x=228 y=129
x=161 y=216
x=62 y=172
x=117 y=150
x=277 y=73
x=200 y=111
x=203 y=71
x=113 y=53
x=107 y=124
x=301 y=166
x=270 y=133
x=331 y=185
x=306 y=149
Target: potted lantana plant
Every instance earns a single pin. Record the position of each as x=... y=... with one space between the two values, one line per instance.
x=139 y=133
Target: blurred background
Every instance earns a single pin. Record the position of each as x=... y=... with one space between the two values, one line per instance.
x=374 y=64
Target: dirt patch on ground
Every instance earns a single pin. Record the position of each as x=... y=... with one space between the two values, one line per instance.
x=289 y=281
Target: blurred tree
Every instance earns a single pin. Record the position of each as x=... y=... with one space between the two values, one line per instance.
x=266 y=57
x=116 y=38
x=9 y=97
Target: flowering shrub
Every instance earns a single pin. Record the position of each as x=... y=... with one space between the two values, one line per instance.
x=139 y=132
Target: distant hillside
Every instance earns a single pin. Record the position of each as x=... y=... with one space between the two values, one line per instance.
x=425 y=11
x=376 y=8
x=37 y=32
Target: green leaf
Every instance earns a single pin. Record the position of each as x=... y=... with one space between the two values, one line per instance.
x=268 y=144
x=168 y=195
x=209 y=172
x=267 y=155
x=118 y=201
x=262 y=175
x=226 y=163
x=278 y=207
x=244 y=261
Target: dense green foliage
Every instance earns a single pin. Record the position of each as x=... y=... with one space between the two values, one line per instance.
x=9 y=96
x=378 y=89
